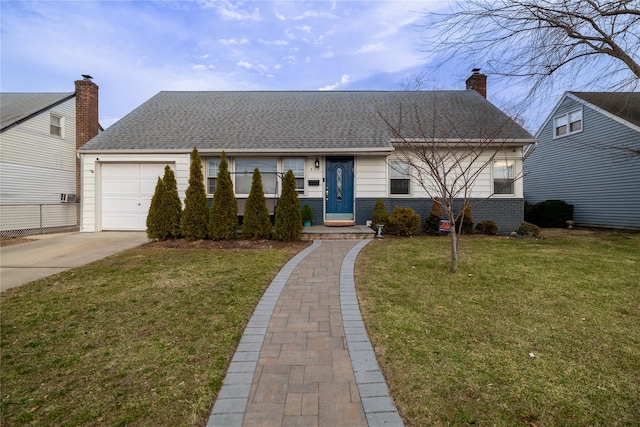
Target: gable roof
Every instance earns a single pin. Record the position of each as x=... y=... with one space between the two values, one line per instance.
x=19 y=107
x=624 y=105
x=298 y=121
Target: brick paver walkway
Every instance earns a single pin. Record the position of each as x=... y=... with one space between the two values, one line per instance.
x=305 y=358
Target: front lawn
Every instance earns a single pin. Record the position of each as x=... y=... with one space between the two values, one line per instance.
x=527 y=333
x=141 y=338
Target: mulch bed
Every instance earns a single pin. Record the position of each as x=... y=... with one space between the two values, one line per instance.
x=227 y=244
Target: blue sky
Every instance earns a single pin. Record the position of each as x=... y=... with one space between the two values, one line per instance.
x=136 y=49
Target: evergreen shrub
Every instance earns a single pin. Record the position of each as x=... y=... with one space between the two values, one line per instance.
x=223 y=222
x=288 y=226
x=528 y=229
x=195 y=217
x=404 y=222
x=487 y=227
x=549 y=214
x=256 y=223
x=467 y=219
x=432 y=222
x=379 y=215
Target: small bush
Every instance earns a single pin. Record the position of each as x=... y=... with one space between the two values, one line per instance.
x=487 y=227
x=528 y=229
x=549 y=214
x=379 y=215
x=404 y=222
x=306 y=213
x=288 y=225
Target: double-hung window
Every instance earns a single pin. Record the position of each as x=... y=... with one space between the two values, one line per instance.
x=504 y=177
x=212 y=174
x=244 y=175
x=568 y=123
x=399 y=177
x=55 y=125
x=297 y=167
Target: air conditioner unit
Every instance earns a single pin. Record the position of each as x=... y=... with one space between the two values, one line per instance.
x=67 y=198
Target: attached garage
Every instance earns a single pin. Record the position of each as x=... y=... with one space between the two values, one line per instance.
x=126 y=192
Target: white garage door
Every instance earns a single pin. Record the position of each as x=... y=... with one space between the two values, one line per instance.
x=127 y=189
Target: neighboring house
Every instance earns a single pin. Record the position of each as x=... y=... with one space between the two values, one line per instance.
x=336 y=143
x=588 y=155
x=39 y=168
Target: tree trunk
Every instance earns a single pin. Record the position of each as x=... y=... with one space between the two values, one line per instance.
x=453 y=267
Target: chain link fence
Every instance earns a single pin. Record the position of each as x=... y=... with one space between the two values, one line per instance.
x=24 y=219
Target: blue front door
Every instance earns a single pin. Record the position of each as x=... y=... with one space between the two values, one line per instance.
x=339 y=191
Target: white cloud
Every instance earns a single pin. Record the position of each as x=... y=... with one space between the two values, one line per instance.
x=231 y=42
x=343 y=80
x=231 y=11
x=372 y=47
x=274 y=42
x=305 y=28
x=249 y=66
x=202 y=67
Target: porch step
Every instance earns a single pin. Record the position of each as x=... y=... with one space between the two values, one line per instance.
x=319 y=232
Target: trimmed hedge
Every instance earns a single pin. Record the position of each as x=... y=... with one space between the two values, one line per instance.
x=549 y=213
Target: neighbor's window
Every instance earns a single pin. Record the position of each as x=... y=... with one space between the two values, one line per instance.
x=212 y=174
x=55 y=127
x=399 y=173
x=244 y=175
x=504 y=177
x=297 y=167
x=567 y=124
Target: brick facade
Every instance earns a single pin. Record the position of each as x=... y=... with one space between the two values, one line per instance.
x=87 y=125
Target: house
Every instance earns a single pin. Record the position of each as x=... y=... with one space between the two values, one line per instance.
x=588 y=155
x=39 y=168
x=336 y=143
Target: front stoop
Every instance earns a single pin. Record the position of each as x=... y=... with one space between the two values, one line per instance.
x=337 y=233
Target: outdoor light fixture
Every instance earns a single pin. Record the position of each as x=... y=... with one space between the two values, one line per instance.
x=317 y=163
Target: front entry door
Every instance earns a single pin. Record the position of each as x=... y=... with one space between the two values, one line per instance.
x=339 y=191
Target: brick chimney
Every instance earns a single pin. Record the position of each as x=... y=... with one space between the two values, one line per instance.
x=478 y=82
x=87 y=125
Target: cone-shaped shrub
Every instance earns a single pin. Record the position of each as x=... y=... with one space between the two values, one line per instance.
x=223 y=223
x=288 y=218
x=432 y=223
x=195 y=218
x=256 y=223
x=467 y=219
x=155 y=211
x=171 y=206
x=379 y=215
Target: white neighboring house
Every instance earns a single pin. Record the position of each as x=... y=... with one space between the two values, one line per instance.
x=335 y=142
x=39 y=168
x=588 y=155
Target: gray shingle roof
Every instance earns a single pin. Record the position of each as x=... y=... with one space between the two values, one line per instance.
x=16 y=107
x=285 y=121
x=625 y=105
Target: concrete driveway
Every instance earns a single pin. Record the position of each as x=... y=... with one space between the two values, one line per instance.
x=48 y=254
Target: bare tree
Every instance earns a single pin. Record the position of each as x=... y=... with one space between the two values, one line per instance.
x=540 y=40
x=445 y=161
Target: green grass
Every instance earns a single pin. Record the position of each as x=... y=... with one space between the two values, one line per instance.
x=142 y=338
x=455 y=348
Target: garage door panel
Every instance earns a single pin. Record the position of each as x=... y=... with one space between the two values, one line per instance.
x=127 y=190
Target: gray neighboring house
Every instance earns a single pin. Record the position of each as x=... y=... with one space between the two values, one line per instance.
x=39 y=168
x=336 y=143
x=588 y=154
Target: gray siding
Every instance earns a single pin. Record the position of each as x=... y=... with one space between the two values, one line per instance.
x=582 y=169
x=507 y=213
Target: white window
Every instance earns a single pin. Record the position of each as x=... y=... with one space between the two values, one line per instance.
x=297 y=167
x=244 y=175
x=504 y=177
x=567 y=124
x=212 y=174
x=399 y=177
x=55 y=127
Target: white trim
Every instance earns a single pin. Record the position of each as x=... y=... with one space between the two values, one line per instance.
x=604 y=112
x=567 y=117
